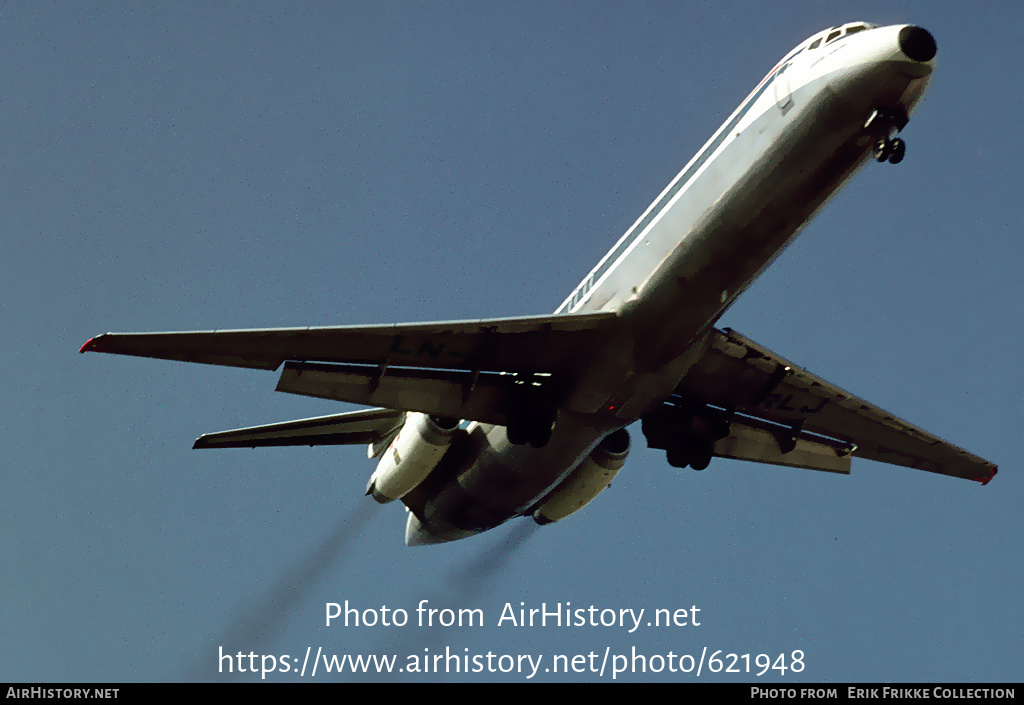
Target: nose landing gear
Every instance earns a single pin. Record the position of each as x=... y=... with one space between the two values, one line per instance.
x=883 y=123
x=890 y=150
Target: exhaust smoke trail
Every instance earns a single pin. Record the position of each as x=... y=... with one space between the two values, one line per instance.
x=465 y=586
x=267 y=619
x=472 y=575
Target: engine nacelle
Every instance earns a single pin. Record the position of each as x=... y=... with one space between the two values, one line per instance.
x=415 y=451
x=587 y=480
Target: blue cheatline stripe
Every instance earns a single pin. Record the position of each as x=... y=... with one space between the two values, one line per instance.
x=681 y=181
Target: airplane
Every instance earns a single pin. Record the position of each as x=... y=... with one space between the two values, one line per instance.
x=477 y=422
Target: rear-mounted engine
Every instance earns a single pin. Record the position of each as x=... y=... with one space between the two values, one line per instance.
x=587 y=480
x=415 y=451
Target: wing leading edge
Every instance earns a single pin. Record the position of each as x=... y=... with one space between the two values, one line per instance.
x=792 y=405
x=529 y=344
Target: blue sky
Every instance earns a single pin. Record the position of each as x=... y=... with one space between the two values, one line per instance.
x=219 y=166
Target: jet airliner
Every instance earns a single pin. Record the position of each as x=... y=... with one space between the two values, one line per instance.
x=477 y=422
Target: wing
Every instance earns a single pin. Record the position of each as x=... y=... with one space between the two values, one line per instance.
x=461 y=369
x=528 y=344
x=369 y=426
x=794 y=409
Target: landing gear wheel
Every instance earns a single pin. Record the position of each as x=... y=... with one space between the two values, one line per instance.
x=677 y=457
x=518 y=433
x=535 y=430
x=897 y=149
x=695 y=450
x=890 y=150
x=703 y=451
x=882 y=150
x=541 y=432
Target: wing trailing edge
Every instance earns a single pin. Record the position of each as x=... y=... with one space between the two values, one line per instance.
x=759 y=443
x=485 y=397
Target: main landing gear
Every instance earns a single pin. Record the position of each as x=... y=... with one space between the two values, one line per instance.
x=687 y=435
x=884 y=122
x=531 y=410
x=694 y=449
x=533 y=427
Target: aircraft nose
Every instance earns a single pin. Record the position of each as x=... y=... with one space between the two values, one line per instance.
x=917 y=43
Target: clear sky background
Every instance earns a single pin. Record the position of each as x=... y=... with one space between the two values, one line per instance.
x=223 y=165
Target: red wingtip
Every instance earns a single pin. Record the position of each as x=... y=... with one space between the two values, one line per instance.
x=987 y=479
x=90 y=345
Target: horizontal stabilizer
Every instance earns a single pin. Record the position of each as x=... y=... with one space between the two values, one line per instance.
x=369 y=426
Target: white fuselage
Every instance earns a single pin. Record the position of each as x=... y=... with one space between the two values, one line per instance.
x=788 y=147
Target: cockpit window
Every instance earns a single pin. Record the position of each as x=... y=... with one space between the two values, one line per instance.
x=833 y=35
x=814 y=44
x=855 y=28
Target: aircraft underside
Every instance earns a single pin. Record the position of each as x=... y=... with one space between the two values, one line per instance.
x=478 y=422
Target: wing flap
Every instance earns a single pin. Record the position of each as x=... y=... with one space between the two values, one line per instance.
x=367 y=426
x=458 y=394
x=760 y=445
x=738 y=374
